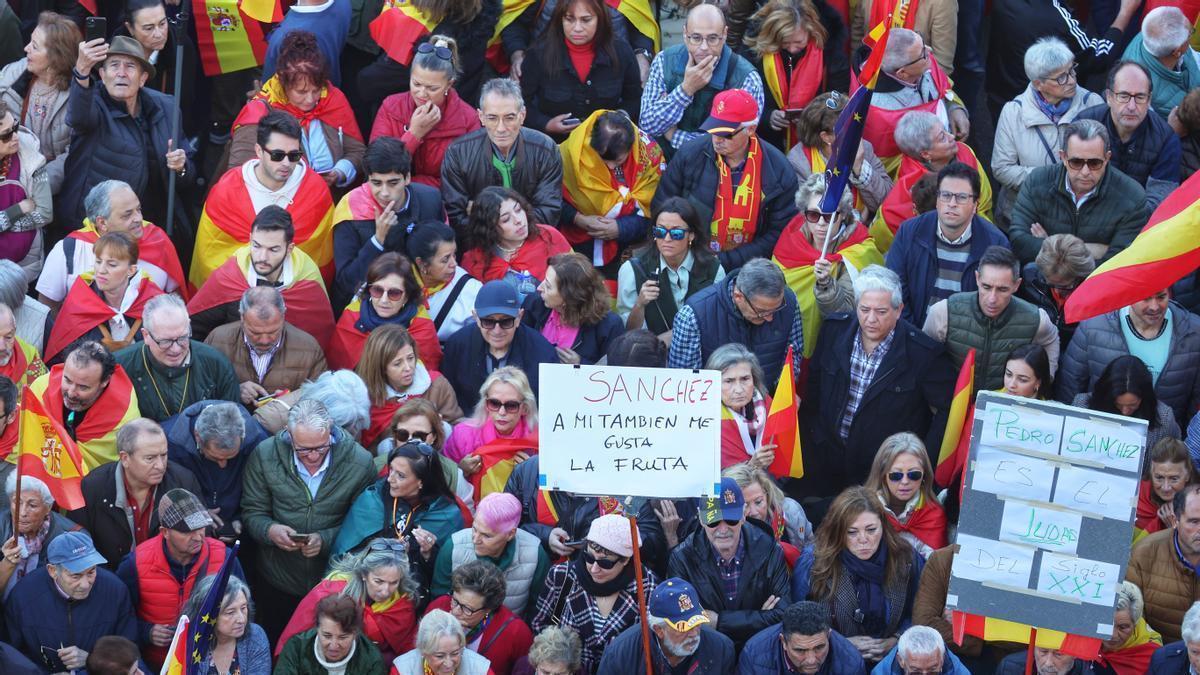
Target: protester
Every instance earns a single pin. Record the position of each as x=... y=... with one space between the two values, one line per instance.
x=803 y=643
x=1027 y=373
x=555 y=650
x=441 y=648
x=238 y=643
x=390 y=367
x=502 y=242
x=36 y=527
x=930 y=609
x=920 y=649
x=343 y=394
x=26 y=205
x=1133 y=642
x=146 y=21
x=112 y=655
x=744 y=405
x=571 y=310
x=766 y=503
x=902 y=477
x=1176 y=658
x=476 y=598
x=30 y=314
x=1162 y=565
x=504 y=417
x=1124 y=388
x=1169 y=469
x=336 y=643
x=1060 y=266
x=418 y=420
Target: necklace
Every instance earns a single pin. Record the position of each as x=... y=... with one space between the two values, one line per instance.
x=507 y=253
x=186 y=378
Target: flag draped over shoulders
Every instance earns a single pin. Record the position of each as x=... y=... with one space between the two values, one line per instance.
x=96 y=435
x=48 y=453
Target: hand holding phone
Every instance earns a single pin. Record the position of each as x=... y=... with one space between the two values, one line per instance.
x=94 y=28
x=298 y=538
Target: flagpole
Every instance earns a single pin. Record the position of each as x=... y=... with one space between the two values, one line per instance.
x=641 y=588
x=17 y=449
x=1029 y=653
x=828 y=234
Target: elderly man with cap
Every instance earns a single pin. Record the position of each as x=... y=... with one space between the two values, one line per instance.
x=121 y=119
x=496 y=339
x=57 y=613
x=735 y=565
x=679 y=641
x=162 y=571
x=744 y=187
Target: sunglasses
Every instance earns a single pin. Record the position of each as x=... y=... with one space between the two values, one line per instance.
x=393 y=294
x=7 y=135
x=442 y=53
x=403 y=435
x=602 y=563
x=495 y=404
x=505 y=323
x=731 y=523
x=1076 y=163
x=292 y=156
x=813 y=216
x=915 y=476
x=834 y=100
x=387 y=546
x=676 y=233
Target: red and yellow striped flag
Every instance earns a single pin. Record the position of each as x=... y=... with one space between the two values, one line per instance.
x=641 y=15
x=499 y=460
x=957 y=440
x=48 y=453
x=177 y=655
x=398 y=29
x=1165 y=250
x=999 y=630
x=266 y=11
x=227 y=38
x=782 y=426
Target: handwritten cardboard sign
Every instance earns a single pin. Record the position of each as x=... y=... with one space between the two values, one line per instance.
x=647 y=432
x=1047 y=514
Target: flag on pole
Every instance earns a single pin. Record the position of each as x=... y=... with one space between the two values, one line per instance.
x=48 y=453
x=191 y=648
x=228 y=40
x=398 y=29
x=957 y=440
x=999 y=630
x=1166 y=249
x=782 y=426
x=266 y=11
x=177 y=654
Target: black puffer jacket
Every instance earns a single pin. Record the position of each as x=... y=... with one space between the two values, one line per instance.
x=609 y=86
x=467 y=168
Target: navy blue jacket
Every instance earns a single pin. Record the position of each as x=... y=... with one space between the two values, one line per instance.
x=39 y=616
x=219 y=488
x=763 y=654
x=465 y=360
x=12 y=662
x=1170 y=659
x=625 y=656
x=913 y=256
x=592 y=341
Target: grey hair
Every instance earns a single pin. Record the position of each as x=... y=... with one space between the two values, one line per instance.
x=356 y=566
x=344 y=396
x=920 y=641
x=167 y=302
x=1084 y=130
x=261 y=299
x=1164 y=30
x=132 y=432
x=878 y=278
x=6 y=310
x=1045 y=56
x=1129 y=598
x=895 y=55
x=1190 y=629
x=914 y=131
x=556 y=645
x=760 y=278
x=816 y=186
x=28 y=483
x=98 y=202
x=309 y=413
x=503 y=87
x=200 y=593
x=221 y=424
x=438 y=624
x=733 y=353
x=13 y=284
x=655 y=621
x=435 y=64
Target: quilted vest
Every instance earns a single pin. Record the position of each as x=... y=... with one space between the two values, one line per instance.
x=992 y=339
x=518 y=576
x=721 y=323
x=160 y=595
x=730 y=72
x=660 y=314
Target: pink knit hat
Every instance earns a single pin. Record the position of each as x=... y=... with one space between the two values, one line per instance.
x=611 y=532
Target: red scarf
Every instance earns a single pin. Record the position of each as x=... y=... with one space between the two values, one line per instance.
x=533 y=257
x=735 y=216
x=582 y=57
x=1131 y=660
x=927 y=523
x=332 y=109
x=794 y=249
x=1147 y=511
x=794 y=92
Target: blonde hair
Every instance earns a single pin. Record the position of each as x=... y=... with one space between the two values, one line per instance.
x=744 y=474
x=778 y=18
x=514 y=377
x=903 y=443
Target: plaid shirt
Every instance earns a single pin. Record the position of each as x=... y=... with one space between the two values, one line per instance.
x=662 y=109
x=731 y=570
x=862 y=371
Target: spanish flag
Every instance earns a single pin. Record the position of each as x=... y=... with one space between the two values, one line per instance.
x=48 y=453
x=266 y=11
x=1165 y=250
x=511 y=11
x=227 y=38
x=398 y=29
x=499 y=460
x=96 y=434
x=999 y=630
x=783 y=427
x=640 y=14
x=177 y=655
x=957 y=441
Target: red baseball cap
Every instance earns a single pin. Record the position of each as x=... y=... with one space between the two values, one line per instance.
x=730 y=110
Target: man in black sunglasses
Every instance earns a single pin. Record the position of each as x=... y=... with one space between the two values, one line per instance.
x=736 y=566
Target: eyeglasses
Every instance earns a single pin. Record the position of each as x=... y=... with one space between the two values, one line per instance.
x=292 y=156
x=602 y=563
x=1093 y=163
x=495 y=404
x=814 y=216
x=7 y=135
x=1065 y=77
x=403 y=435
x=764 y=314
x=441 y=52
x=956 y=197
x=731 y=523
x=924 y=55
x=676 y=233
x=465 y=609
x=319 y=451
x=695 y=39
x=915 y=476
x=1123 y=97
x=393 y=294
x=504 y=324
x=1063 y=288
x=387 y=546
x=167 y=343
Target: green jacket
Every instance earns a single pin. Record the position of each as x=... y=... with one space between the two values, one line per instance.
x=1113 y=215
x=368 y=518
x=273 y=493
x=163 y=392
x=299 y=657
x=1168 y=86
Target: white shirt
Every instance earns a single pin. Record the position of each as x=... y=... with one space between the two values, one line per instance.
x=261 y=197
x=679 y=279
x=55 y=282
x=118 y=327
x=1082 y=198
x=460 y=312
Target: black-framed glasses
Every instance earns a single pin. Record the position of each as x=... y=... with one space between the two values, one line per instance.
x=465 y=609
x=319 y=451
x=764 y=314
x=1124 y=97
x=387 y=546
x=915 y=476
x=495 y=404
x=292 y=156
x=602 y=563
x=956 y=197
x=1065 y=77
x=167 y=343
x=814 y=216
x=676 y=233
x=505 y=324
x=730 y=523
x=403 y=435
x=1093 y=163
x=7 y=135
x=439 y=51
x=377 y=291
x=924 y=55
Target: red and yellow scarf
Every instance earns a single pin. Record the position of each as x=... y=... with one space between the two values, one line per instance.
x=735 y=214
x=792 y=93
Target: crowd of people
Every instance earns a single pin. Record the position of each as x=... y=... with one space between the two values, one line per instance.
x=278 y=341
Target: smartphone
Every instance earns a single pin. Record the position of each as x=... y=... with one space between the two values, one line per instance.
x=298 y=538
x=571 y=121
x=575 y=544
x=793 y=113
x=95 y=27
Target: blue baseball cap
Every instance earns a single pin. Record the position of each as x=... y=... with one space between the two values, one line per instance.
x=74 y=551
x=497 y=297
x=728 y=505
x=676 y=601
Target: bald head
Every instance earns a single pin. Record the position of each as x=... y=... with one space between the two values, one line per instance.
x=704 y=33
x=709 y=14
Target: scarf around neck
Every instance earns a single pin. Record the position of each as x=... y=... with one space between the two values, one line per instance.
x=868 y=577
x=369 y=319
x=600 y=590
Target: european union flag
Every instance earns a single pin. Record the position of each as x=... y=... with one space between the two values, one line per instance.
x=204 y=625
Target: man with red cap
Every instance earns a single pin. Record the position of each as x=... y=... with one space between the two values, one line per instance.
x=743 y=187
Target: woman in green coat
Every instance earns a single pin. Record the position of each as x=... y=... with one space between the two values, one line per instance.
x=335 y=645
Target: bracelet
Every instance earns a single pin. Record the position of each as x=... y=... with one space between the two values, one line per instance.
x=79 y=76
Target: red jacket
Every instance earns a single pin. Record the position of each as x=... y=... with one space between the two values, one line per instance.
x=458 y=119
x=160 y=595
x=505 y=639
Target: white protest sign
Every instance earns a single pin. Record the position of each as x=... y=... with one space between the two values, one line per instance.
x=648 y=432
x=1098 y=492
x=986 y=560
x=1051 y=529
x=1113 y=445
x=1091 y=581
x=1005 y=474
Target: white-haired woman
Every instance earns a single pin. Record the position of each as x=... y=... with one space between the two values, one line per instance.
x=744 y=406
x=1133 y=641
x=555 y=651
x=37 y=527
x=240 y=646
x=506 y=413
x=1028 y=130
x=441 y=650
x=343 y=392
